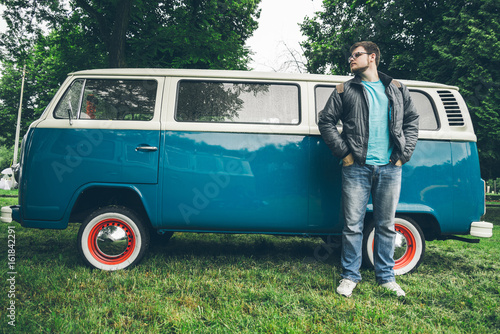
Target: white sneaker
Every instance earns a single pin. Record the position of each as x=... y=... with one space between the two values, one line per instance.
x=345 y=287
x=393 y=286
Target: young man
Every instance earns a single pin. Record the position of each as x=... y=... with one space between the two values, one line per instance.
x=380 y=131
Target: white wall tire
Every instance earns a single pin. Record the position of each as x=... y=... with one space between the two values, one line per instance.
x=410 y=246
x=112 y=238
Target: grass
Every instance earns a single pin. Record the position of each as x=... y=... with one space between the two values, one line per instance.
x=8 y=193
x=208 y=283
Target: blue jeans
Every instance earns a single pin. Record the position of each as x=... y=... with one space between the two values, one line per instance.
x=384 y=185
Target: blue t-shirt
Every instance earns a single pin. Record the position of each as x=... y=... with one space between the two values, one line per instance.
x=379 y=142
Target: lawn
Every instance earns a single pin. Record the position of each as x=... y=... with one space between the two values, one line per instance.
x=208 y=283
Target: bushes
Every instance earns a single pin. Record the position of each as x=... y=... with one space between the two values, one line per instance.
x=493 y=184
x=492 y=197
x=6 y=156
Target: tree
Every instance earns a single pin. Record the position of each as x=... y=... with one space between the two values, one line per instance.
x=196 y=34
x=453 y=42
x=165 y=33
x=53 y=40
x=112 y=18
x=47 y=65
x=26 y=20
x=466 y=54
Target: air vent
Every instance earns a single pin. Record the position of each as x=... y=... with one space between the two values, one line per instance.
x=452 y=108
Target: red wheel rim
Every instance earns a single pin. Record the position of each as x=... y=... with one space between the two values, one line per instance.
x=104 y=258
x=410 y=247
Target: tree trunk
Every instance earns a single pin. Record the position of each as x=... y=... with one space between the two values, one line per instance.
x=117 y=41
x=113 y=30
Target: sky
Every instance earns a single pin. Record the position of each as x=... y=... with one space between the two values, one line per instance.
x=278 y=25
x=278 y=29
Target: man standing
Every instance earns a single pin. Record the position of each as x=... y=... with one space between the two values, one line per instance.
x=380 y=131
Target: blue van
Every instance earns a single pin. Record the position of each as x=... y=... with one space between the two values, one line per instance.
x=131 y=152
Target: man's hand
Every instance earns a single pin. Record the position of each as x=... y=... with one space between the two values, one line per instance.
x=399 y=163
x=348 y=160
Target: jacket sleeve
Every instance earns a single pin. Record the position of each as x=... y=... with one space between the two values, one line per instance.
x=327 y=123
x=410 y=125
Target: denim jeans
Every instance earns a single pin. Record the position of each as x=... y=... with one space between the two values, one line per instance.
x=383 y=183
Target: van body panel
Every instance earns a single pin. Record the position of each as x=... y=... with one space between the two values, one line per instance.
x=468 y=186
x=147 y=194
x=428 y=180
x=234 y=181
x=60 y=161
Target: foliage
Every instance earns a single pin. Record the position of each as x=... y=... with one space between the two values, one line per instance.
x=135 y=33
x=494 y=183
x=452 y=42
x=53 y=40
x=493 y=198
x=6 y=156
x=194 y=34
x=26 y=20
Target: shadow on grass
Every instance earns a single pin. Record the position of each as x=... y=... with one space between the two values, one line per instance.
x=59 y=247
x=47 y=247
x=257 y=247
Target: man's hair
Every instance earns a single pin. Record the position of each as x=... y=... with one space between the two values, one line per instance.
x=370 y=47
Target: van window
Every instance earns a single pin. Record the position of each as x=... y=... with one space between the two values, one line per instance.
x=70 y=102
x=426 y=111
x=107 y=99
x=237 y=102
x=422 y=102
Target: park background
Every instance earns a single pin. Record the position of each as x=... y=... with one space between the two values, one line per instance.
x=228 y=284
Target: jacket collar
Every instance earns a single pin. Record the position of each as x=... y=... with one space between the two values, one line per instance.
x=386 y=80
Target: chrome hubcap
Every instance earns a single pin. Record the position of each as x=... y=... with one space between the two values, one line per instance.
x=400 y=246
x=112 y=240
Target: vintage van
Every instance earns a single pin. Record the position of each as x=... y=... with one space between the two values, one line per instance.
x=130 y=152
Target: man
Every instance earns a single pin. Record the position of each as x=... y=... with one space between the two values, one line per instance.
x=380 y=131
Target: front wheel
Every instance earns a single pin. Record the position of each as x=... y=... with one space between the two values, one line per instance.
x=112 y=238
x=409 y=245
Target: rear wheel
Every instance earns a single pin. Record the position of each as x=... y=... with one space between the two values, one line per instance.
x=112 y=238
x=409 y=245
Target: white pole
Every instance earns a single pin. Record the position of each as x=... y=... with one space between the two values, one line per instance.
x=18 y=127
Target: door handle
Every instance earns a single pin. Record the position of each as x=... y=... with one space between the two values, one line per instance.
x=146 y=148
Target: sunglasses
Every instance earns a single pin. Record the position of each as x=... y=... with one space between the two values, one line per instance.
x=356 y=55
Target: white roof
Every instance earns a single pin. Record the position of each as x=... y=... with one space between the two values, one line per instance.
x=221 y=74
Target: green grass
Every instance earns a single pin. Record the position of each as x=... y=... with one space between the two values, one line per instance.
x=208 y=283
x=8 y=193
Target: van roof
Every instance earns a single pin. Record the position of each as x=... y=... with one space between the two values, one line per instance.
x=220 y=74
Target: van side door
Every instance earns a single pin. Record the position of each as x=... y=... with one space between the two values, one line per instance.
x=236 y=156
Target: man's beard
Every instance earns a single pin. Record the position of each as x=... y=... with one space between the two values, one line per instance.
x=359 y=70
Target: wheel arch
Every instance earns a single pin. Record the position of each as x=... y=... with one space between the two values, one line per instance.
x=92 y=197
x=427 y=222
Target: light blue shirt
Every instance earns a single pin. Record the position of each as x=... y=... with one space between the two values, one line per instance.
x=379 y=141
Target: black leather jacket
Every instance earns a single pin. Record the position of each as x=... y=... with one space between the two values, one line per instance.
x=352 y=109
